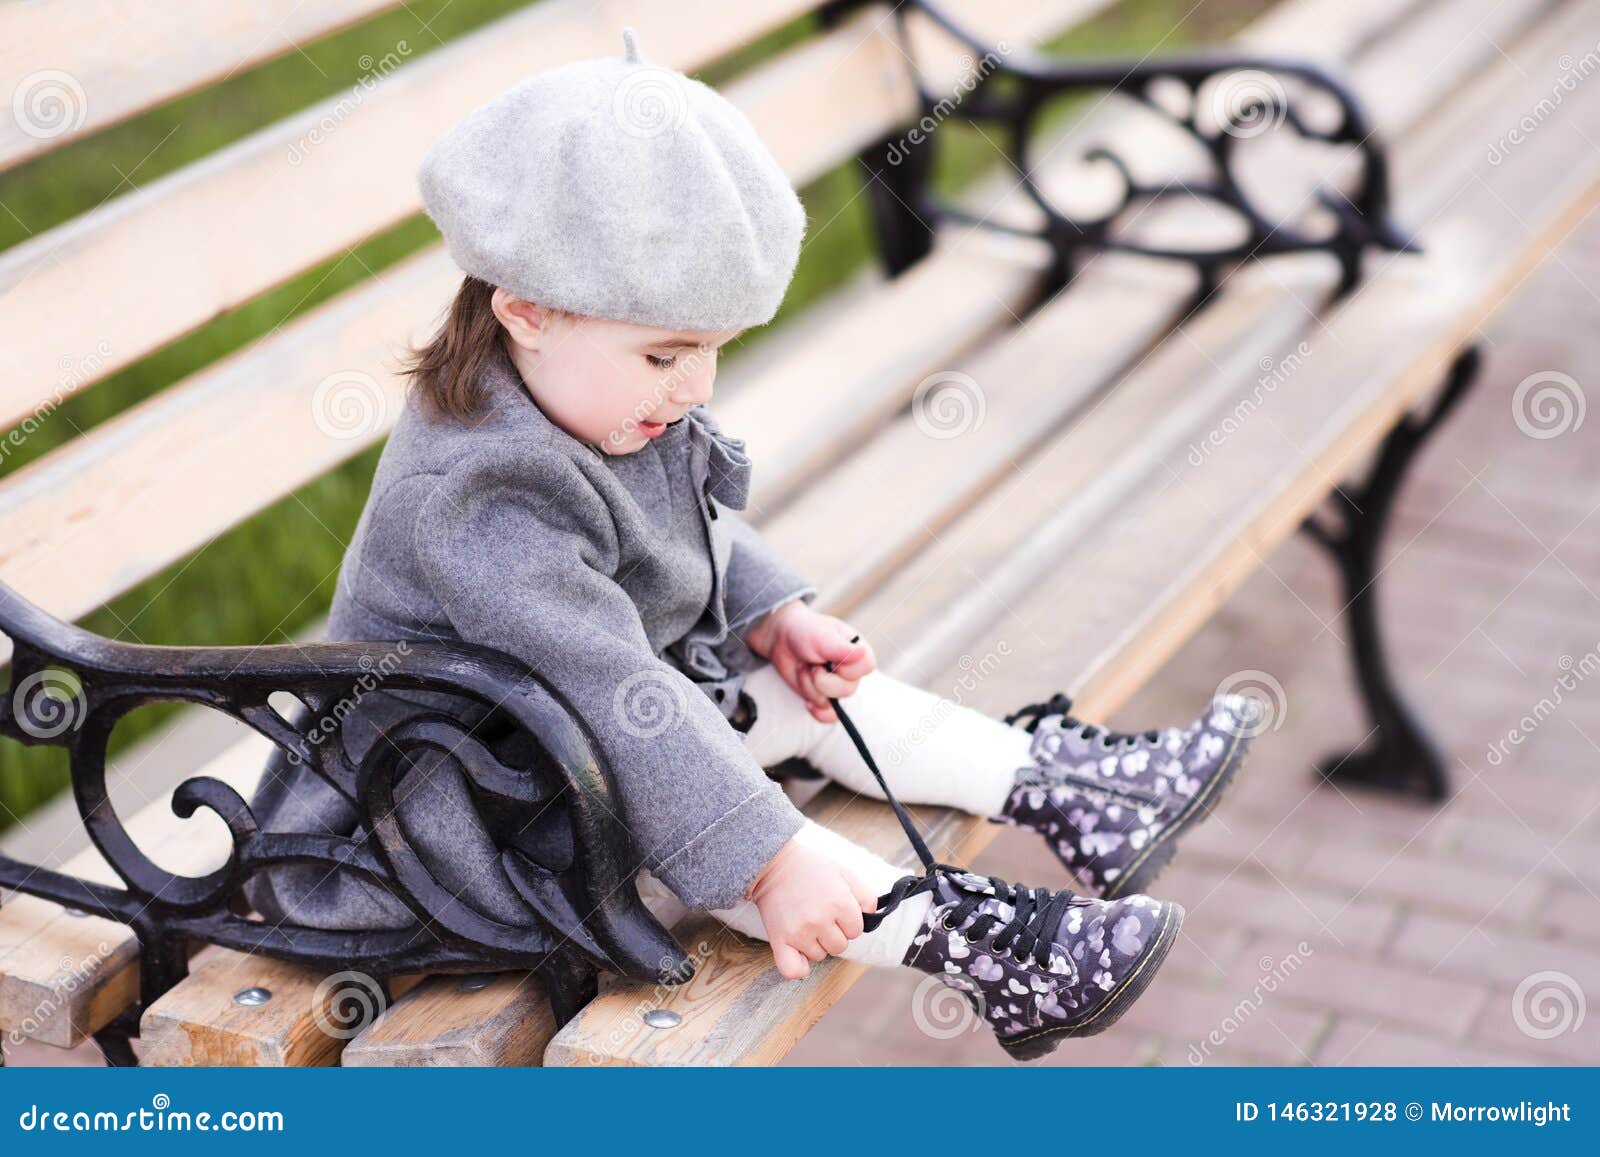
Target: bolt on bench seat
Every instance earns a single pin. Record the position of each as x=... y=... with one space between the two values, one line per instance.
x=1092 y=401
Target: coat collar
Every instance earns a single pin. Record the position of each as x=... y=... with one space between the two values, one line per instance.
x=725 y=465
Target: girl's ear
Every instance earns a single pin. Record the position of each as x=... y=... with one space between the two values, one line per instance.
x=526 y=322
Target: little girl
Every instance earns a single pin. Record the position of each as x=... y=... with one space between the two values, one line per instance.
x=555 y=488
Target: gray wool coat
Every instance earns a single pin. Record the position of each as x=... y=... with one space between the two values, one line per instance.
x=626 y=582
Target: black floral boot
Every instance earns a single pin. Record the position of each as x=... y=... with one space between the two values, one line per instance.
x=1112 y=805
x=1037 y=966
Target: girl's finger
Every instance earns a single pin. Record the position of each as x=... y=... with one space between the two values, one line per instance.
x=832 y=683
x=865 y=896
x=808 y=687
x=790 y=964
x=851 y=926
x=834 y=940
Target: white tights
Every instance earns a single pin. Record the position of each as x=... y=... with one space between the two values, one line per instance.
x=931 y=751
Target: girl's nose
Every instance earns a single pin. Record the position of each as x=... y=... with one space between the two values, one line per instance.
x=697 y=386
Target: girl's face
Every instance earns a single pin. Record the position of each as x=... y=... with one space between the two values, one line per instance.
x=611 y=384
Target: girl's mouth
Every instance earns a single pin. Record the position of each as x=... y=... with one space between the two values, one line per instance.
x=651 y=429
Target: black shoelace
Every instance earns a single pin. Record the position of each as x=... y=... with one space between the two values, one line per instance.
x=1037 y=912
x=1061 y=704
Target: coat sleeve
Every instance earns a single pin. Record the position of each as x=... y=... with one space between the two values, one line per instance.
x=521 y=556
x=757 y=579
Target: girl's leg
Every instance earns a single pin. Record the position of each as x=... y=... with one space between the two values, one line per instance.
x=931 y=750
x=885 y=946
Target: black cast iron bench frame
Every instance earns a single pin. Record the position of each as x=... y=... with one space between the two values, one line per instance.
x=69 y=687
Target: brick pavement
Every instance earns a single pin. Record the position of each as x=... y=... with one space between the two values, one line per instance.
x=1338 y=928
x=1418 y=924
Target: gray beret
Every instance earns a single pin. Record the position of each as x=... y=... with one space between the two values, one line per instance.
x=618 y=189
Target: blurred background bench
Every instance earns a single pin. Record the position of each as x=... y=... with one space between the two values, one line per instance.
x=1006 y=402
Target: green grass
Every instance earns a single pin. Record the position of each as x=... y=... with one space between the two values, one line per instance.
x=273 y=575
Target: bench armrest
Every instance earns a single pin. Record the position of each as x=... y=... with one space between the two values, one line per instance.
x=69 y=687
x=1219 y=98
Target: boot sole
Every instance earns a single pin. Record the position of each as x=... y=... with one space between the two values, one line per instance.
x=1041 y=1042
x=1159 y=854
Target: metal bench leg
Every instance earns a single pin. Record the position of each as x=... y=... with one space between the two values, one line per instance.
x=115 y=1041
x=571 y=983
x=1398 y=755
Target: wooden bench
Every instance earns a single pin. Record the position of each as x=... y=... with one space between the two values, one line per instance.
x=1088 y=435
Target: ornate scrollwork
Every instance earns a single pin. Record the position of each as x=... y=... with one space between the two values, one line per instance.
x=1218 y=100
x=69 y=688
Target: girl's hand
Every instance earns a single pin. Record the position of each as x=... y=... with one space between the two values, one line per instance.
x=811 y=908
x=801 y=642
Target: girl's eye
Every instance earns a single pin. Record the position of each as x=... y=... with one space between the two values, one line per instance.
x=661 y=363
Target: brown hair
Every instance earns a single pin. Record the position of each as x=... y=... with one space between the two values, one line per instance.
x=447 y=372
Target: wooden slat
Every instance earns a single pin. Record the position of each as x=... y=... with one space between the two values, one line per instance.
x=199 y=1024
x=356 y=180
x=1010 y=398
x=105 y=61
x=446 y=1022
x=764 y=949
x=184 y=432
x=361 y=178
x=1432 y=168
x=64 y=977
x=117 y=505
x=721 y=1025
